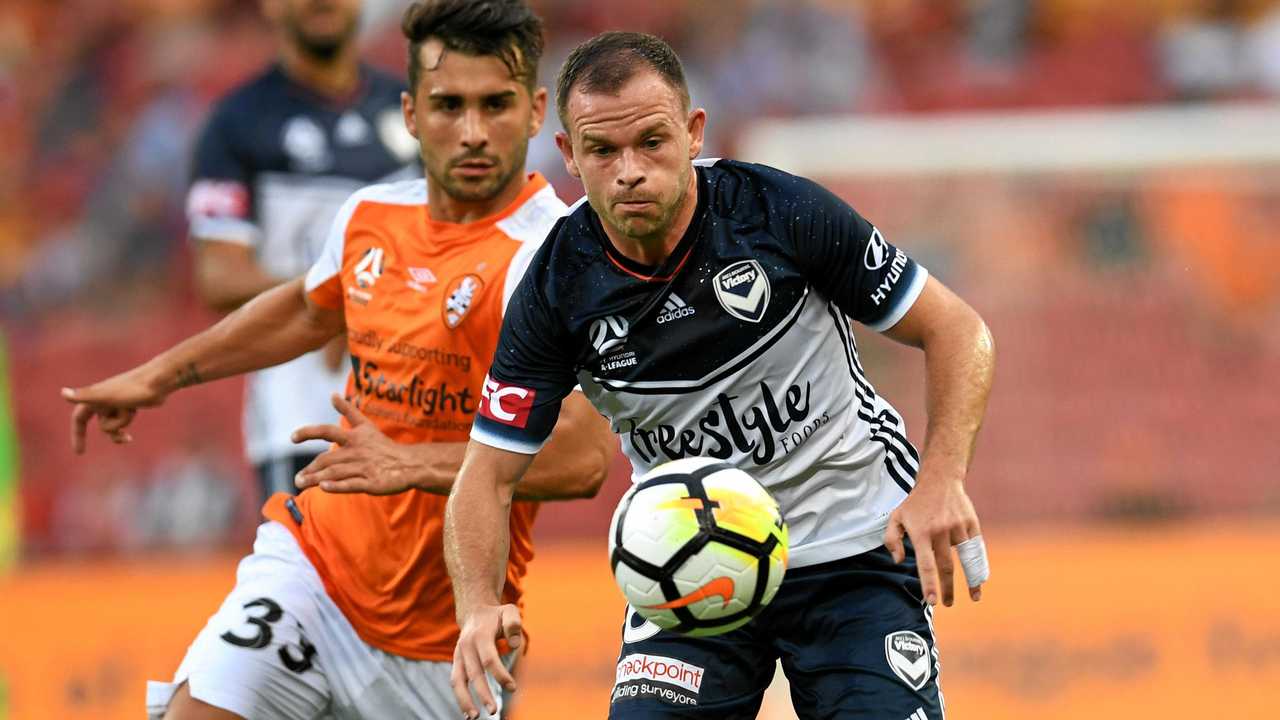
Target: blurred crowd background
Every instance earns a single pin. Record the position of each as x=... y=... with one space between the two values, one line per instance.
x=1136 y=312
x=100 y=102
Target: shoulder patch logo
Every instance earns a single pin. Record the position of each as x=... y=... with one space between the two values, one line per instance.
x=908 y=656
x=459 y=297
x=507 y=404
x=743 y=290
x=877 y=252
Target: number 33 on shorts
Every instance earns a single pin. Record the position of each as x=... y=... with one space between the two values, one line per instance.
x=260 y=616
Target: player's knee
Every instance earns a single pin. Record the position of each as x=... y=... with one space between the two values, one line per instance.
x=185 y=707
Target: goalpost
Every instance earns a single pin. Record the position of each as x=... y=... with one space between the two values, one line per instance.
x=1037 y=142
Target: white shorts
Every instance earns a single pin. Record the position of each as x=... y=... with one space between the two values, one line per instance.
x=279 y=649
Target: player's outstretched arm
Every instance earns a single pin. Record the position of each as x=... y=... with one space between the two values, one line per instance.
x=476 y=539
x=278 y=325
x=959 y=364
x=573 y=464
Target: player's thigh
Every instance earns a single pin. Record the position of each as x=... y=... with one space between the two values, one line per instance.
x=664 y=675
x=253 y=657
x=184 y=707
x=858 y=643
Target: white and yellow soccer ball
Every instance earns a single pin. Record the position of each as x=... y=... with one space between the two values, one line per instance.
x=698 y=546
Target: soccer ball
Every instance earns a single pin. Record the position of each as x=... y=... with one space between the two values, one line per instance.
x=698 y=546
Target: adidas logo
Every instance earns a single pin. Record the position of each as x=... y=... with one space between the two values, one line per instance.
x=674 y=309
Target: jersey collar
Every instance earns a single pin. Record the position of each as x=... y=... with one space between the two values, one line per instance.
x=440 y=230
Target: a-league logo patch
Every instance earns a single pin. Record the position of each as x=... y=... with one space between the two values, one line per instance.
x=609 y=333
x=370 y=267
x=908 y=656
x=743 y=290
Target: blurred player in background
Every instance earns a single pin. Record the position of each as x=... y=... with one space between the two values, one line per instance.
x=344 y=609
x=705 y=308
x=277 y=158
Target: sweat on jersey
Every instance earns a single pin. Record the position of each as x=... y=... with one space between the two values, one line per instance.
x=423 y=301
x=272 y=167
x=737 y=347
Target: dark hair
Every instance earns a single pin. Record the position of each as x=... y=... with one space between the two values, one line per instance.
x=607 y=61
x=506 y=29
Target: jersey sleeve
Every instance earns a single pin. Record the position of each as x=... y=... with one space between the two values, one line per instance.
x=531 y=373
x=220 y=199
x=848 y=259
x=324 y=279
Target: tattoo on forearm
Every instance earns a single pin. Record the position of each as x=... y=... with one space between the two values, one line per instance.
x=188 y=376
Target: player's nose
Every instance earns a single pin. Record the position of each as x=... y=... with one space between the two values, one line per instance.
x=630 y=170
x=474 y=133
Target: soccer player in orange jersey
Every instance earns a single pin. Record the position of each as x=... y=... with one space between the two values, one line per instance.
x=344 y=608
x=277 y=157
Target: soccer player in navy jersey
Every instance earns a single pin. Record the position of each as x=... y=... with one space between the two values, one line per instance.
x=704 y=307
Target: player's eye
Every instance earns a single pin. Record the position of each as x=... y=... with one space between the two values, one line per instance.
x=601 y=150
x=448 y=104
x=653 y=143
x=497 y=103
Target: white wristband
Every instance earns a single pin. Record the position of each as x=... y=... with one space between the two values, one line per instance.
x=973 y=558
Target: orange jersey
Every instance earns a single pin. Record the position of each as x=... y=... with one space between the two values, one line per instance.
x=423 y=302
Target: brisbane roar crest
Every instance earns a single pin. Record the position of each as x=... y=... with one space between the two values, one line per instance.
x=460 y=296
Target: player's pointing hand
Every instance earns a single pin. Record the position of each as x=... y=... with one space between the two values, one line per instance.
x=114 y=402
x=361 y=460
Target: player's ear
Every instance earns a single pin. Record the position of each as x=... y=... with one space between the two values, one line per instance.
x=566 y=150
x=409 y=110
x=539 y=111
x=697 y=126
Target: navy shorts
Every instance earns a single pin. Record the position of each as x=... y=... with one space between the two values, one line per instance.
x=277 y=475
x=854 y=636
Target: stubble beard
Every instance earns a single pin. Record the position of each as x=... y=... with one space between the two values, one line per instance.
x=661 y=225
x=463 y=192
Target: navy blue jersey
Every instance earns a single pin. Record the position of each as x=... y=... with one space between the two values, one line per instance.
x=274 y=138
x=272 y=166
x=738 y=347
